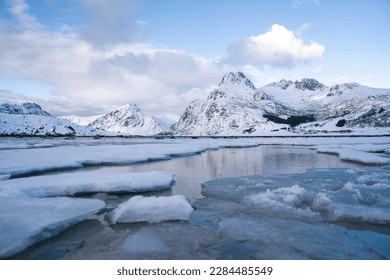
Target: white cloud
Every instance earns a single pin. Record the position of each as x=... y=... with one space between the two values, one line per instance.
x=19 y=9
x=91 y=75
x=277 y=47
x=88 y=79
x=302 y=29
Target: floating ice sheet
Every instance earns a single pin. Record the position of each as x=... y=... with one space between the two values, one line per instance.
x=25 y=221
x=360 y=153
x=25 y=161
x=68 y=184
x=152 y=209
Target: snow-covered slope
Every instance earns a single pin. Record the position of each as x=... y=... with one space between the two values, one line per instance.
x=85 y=121
x=29 y=119
x=236 y=107
x=128 y=119
x=342 y=107
x=131 y=119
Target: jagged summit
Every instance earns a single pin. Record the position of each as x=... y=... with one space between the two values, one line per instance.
x=26 y=108
x=308 y=84
x=303 y=84
x=236 y=78
x=129 y=115
x=29 y=119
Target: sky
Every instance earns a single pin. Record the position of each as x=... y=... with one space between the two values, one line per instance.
x=87 y=57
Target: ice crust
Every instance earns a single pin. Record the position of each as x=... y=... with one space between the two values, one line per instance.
x=360 y=153
x=18 y=162
x=25 y=221
x=318 y=194
x=69 y=184
x=152 y=209
x=301 y=215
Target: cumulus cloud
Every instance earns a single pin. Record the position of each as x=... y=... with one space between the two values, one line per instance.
x=88 y=79
x=92 y=73
x=277 y=47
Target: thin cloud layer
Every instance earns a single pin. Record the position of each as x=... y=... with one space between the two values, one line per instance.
x=278 y=47
x=111 y=22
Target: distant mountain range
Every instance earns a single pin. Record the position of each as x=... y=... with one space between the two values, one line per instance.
x=29 y=119
x=235 y=108
x=128 y=119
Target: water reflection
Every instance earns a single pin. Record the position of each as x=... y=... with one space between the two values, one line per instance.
x=192 y=171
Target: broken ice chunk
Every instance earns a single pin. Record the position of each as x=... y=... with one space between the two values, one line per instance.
x=359 y=213
x=152 y=209
x=25 y=221
x=86 y=182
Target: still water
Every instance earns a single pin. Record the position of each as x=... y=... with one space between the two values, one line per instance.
x=191 y=171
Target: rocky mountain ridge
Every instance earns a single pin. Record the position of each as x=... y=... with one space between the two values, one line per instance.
x=306 y=106
x=236 y=107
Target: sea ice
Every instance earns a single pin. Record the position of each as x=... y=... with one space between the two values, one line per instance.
x=152 y=209
x=317 y=195
x=68 y=184
x=290 y=239
x=24 y=161
x=24 y=222
x=364 y=154
x=358 y=213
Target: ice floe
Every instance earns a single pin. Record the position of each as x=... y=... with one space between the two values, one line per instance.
x=68 y=184
x=152 y=209
x=360 y=153
x=26 y=161
x=24 y=222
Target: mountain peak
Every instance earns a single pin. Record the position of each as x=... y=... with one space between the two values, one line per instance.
x=130 y=106
x=302 y=84
x=308 y=84
x=236 y=78
x=27 y=108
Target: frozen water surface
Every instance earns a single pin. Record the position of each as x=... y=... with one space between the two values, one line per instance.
x=69 y=184
x=284 y=199
x=26 y=221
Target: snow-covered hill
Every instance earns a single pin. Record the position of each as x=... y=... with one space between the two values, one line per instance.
x=85 y=121
x=237 y=107
x=342 y=107
x=128 y=119
x=29 y=119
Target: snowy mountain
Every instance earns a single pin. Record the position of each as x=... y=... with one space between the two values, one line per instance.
x=128 y=119
x=237 y=107
x=85 y=121
x=348 y=106
x=29 y=119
